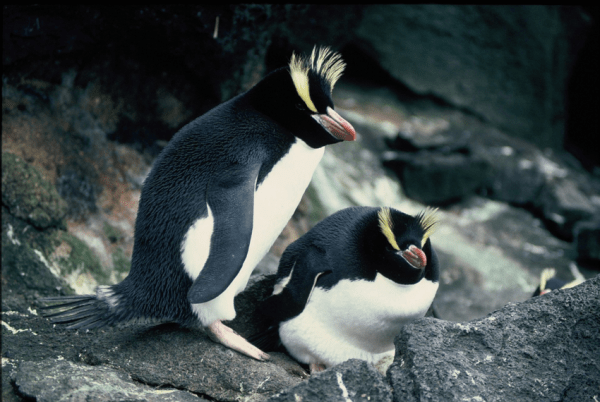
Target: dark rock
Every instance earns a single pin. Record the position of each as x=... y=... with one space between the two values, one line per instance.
x=563 y=204
x=80 y=193
x=447 y=166
x=438 y=179
x=444 y=141
x=547 y=348
x=248 y=318
x=25 y=270
x=463 y=54
x=29 y=196
x=587 y=241
x=188 y=359
x=517 y=177
x=160 y=356
x=353 y=380
x=60 y=380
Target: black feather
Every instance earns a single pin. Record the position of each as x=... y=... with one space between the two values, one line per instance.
x=82 y=312
x=267 y=340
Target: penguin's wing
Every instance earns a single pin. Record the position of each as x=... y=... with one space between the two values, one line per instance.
x=230 y=195
x=292 y=293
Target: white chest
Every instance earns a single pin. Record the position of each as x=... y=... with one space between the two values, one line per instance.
x=275 y=201
x=355 y=319
x=278 y=196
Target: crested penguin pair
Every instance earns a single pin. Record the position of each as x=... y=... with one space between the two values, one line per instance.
x=345 y=288
x=216 y=199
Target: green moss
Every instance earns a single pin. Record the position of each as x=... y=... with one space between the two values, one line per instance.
x=28 y=196
x=111 y=233
x=121 y=263
x=81 y=256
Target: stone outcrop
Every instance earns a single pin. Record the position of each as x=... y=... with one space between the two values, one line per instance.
x=547 y=348
x=448 y=166
x=452 y=52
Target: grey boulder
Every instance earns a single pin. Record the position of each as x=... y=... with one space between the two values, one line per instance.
x=544 y=349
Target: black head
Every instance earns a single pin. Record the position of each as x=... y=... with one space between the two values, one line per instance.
x=400 y=246
x=549 y=282
x=299 y=98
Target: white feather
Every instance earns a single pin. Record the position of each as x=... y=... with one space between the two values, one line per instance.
x=275 y=201
x=282 y=283
x=196 y=245
x=355 y=319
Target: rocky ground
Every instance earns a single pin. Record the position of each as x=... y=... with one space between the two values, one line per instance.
x=79 y=137
x=491 y=254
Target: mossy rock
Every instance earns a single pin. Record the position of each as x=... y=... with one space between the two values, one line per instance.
x=112 y=234
x=25 y=267
x=28 y=196
x=121 y=263
x=78 y=257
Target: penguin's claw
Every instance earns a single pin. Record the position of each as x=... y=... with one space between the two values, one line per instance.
x=226 y=336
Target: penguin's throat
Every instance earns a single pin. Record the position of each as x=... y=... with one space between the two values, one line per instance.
x=415 y=257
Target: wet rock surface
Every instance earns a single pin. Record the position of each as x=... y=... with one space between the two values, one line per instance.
x=133 y=359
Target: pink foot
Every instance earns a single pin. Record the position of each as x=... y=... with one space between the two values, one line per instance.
x=316 y=367
x=221 y=333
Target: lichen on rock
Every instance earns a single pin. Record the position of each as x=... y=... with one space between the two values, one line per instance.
x=28 y=196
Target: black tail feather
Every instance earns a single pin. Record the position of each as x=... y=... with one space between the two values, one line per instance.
x=81 y=312
x=76 y=301
x=267 y=340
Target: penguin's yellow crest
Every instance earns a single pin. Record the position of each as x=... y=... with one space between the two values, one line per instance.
x=547 y=274
x=428 y=220
x=328 y=65
x=387 y=225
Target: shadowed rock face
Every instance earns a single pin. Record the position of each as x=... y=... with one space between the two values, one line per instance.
x=452 y=52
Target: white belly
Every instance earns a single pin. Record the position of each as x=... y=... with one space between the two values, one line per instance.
x=355 y=319
x=275 y=201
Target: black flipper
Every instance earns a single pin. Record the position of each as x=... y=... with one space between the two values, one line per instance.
x=304 y=268
x=230 y=196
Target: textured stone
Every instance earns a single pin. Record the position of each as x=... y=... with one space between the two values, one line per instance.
x=563 y=204
x=547 y=348
x=587 y=240
x=353 y=380
x=60 y=380
x=29 y=196
x=438 y=178
x=464 y=54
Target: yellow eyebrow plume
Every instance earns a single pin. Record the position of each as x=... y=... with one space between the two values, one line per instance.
x=324 y=63
x=387 y=225
x=299 y=71
x=428 y=220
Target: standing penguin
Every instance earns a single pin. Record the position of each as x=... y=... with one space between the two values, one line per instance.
x=346 y=287
x=215 y=201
